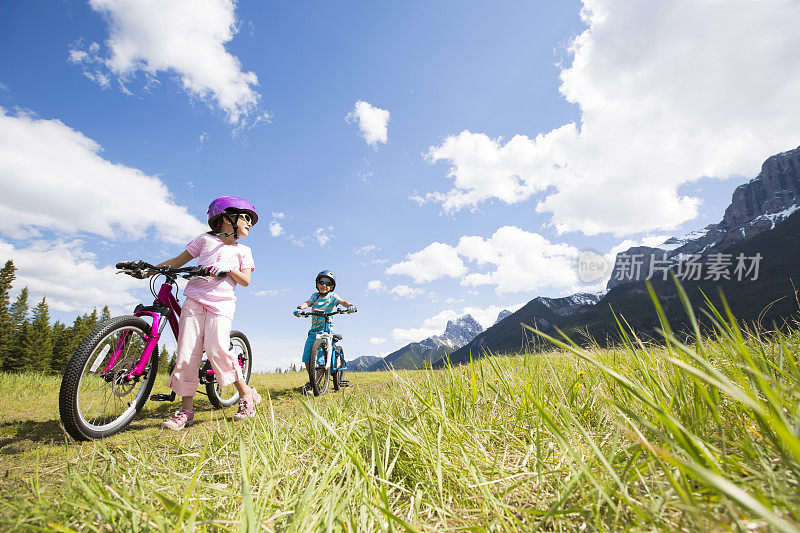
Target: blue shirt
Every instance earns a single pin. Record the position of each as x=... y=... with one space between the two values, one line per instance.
x=325 y=303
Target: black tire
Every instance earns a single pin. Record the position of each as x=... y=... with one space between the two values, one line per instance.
x=222 y=397
x=82 y=385
x=319 y=376
x=338 y=376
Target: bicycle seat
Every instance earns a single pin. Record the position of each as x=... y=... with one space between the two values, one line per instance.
x=337 y=337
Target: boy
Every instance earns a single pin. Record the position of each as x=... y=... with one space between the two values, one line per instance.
x=323 y=300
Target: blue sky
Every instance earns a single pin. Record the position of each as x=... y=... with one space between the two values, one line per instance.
x=440 y=158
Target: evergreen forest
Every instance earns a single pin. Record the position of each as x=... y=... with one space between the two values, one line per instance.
x=30 y=343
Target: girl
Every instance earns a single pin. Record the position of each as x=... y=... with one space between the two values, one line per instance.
x=205 y=322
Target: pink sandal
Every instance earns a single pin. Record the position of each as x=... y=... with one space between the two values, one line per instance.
x=179 y=420
x=247 y=406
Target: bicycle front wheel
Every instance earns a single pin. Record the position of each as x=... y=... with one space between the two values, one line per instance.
x=222 y=397
x=338 y=374
x=94 y=401
x=319 y=375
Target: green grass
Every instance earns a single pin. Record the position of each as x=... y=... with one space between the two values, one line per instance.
x=693 y=437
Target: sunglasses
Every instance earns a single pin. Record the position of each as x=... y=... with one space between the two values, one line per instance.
x=327 y=283
x=247 y=218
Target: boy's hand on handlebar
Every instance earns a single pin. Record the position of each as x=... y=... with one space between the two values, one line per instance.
x=298 y=311
x=351 y=309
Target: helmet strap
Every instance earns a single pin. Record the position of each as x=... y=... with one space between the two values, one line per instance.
x=235 y=223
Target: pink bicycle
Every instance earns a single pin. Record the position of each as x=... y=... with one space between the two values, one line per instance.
x=109 y=378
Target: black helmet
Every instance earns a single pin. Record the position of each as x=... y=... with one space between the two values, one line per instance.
x=326 y=274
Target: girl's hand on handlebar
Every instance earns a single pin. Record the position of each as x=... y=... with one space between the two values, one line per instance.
x=216 y=272
x=351 y=309
x=136 y=269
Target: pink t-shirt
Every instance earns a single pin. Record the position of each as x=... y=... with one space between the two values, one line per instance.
x=216 y=294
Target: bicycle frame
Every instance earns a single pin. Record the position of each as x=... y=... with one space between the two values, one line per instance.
x=165 y=306
x=327 y=335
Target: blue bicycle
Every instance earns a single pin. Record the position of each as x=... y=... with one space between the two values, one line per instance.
x=326 y=366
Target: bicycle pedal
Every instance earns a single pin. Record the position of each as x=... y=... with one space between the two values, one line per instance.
x=163 y=397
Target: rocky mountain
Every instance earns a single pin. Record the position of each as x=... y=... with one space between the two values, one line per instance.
x=501 y=315
x=508 y=335
x=360 y=364
x=456 y=334
x=756 y=207
x=417 y=354
x=766 y=295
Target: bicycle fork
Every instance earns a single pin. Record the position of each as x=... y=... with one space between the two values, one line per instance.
x=328 y=345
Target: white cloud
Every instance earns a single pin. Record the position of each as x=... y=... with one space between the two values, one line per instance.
x=375 y=263
x=323 y=236
x=521 y=261
x=487 y=316
x=52 y=176
x=435 y=261
x=361 y=250
x=375 y=286
x=668 y=93
x=377 y=340
x=651 y=241
x=431 y=326
x=272 y=292
x=275 y=228
x=518 y=261
x=69 y=277
x=278 y=215
x=372 y=122
x=183 y=37
x=404 y=291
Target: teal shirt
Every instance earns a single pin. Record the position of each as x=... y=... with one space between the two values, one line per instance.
x=327 y=304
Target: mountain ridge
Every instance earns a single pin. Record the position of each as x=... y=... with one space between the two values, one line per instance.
x=418 y=354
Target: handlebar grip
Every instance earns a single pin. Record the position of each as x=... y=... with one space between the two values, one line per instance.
x=206 y=271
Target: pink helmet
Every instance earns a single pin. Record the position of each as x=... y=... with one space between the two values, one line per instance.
x=231 y=204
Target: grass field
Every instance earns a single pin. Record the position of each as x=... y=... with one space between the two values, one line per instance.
x=695 y=437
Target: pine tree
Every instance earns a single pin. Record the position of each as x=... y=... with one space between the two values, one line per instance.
x=172 y=361
x=92 y=320
x=39 y=342
x=16 y=359
x=81 y=327
x=163 y=361
x=105 y=314
x=7 y=277
x=61 y=339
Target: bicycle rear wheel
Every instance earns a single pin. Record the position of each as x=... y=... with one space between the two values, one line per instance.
x=95 y=403
x=221 y=397
x=319 y=375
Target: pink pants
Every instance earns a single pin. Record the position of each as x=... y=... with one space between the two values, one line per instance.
x=199 y=330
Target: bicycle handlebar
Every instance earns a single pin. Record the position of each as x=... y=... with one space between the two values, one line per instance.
x=138 y=268
x=303 y=312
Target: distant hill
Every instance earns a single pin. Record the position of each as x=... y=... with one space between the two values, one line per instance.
x=418 y=354
x=769 y=298
x=362 y=363
x=508 y=335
